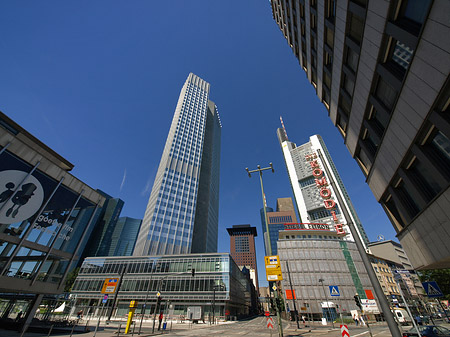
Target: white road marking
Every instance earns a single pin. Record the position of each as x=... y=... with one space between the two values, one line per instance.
x=360 y=334
x=380 y=333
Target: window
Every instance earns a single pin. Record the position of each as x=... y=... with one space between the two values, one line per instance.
x=328 y=61
x=313 y=22
x=329 y=37
x=385 y=93
x=378 y=120
x=355 y=28
x=327 y=80
x=413 y=14
x=330 y=9
x=313 y=42
x=348 y=85
x=351 y=58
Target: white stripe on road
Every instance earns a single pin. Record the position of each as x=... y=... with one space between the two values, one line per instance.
x=379 y=333
x=360 y=334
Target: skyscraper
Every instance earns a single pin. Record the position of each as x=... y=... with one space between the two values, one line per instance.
x=125 y=236
x=325 y=210
x=182 y=211
x=319 y=192
x=242 y=248
x=381 y=69
x=285 y=213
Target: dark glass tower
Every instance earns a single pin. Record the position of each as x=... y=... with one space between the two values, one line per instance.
x=182 y=212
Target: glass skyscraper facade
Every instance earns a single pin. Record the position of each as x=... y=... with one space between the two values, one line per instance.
x=124 y=237
x=182 y=212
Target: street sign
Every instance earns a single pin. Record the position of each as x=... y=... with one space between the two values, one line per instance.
x=274 y=288
x=432 y=289
x=344 y=331
x=269 y=322
x=267 y=314
x=105 y=298
x=334 y=291
x=158 y=294
x=273 y=268
x=369 y=306
x=109 y=286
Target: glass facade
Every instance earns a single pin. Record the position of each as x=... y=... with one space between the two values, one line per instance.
x=126 y=235
x=143 y=277
x=37 y=212
x=182 y=212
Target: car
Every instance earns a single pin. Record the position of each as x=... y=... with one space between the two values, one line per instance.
x=428 y=331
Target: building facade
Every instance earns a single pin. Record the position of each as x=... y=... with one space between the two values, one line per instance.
x=101 y=241
x=381 y=69
x=46 y=216
x=319 y=257
x=284 y=213
x=125 y=237
x=217 y=279
x=242 y=249
x=182 y=211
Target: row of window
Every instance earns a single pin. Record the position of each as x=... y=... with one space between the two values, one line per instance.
x=396 y=52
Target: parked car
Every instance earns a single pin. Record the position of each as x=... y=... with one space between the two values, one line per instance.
x=428 y=331
x=402 y=316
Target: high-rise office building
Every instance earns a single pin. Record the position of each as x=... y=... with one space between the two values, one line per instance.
x=325 y=210
x=381 y=68
x=101 y=241
x=182 y=212
x=285 y=213
x=242 y=248
x=125 y=236
x=319 y=192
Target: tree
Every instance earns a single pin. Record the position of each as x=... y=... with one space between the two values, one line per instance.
x=70 y=280
x=441 y=276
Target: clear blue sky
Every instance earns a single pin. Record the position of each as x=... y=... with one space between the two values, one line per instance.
x=98 y=81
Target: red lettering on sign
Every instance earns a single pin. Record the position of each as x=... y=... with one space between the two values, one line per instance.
x=333 y=213
x=314 y=163
x=321 y=182
x=325 y=193
x=317 y=172
x=339 y=229
x=329 y=203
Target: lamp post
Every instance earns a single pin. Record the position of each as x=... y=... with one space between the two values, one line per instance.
x=267 y=236
x=326 y=300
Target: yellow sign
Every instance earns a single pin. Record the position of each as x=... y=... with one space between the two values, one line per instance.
x=133 y=305
x=273 y=268
x=109 y=286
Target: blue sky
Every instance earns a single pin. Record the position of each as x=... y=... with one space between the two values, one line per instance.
x=98 y=81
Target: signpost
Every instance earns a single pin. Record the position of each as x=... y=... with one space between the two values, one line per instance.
x=105 y=298
x=109 y=286
x=433 y=291
x=269 y=324
x=273 y=268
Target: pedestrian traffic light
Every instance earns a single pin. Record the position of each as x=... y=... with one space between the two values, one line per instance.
x=279 y=303
x=193 y=272
x=357 y=301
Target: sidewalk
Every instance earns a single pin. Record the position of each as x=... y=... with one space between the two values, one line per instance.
x=110 y=330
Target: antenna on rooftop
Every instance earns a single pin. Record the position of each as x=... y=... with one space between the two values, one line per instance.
x=284 y=129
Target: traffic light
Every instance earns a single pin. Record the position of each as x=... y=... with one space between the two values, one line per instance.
x=279 y=303
x=357 y=301
x=193 y=272
x=272 y=304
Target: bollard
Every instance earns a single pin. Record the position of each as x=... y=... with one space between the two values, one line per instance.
x=50 y=331
x=118 y=330
x=134 y=326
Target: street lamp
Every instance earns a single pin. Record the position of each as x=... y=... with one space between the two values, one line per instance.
x=259 y=169
x=326 y=300
x=267 y=236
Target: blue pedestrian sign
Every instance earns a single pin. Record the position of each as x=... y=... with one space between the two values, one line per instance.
x=432 y=289
x=105 y=298
x=334 y=291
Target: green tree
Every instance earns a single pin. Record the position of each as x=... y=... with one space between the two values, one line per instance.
x=70 y=279
x=441 y=276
